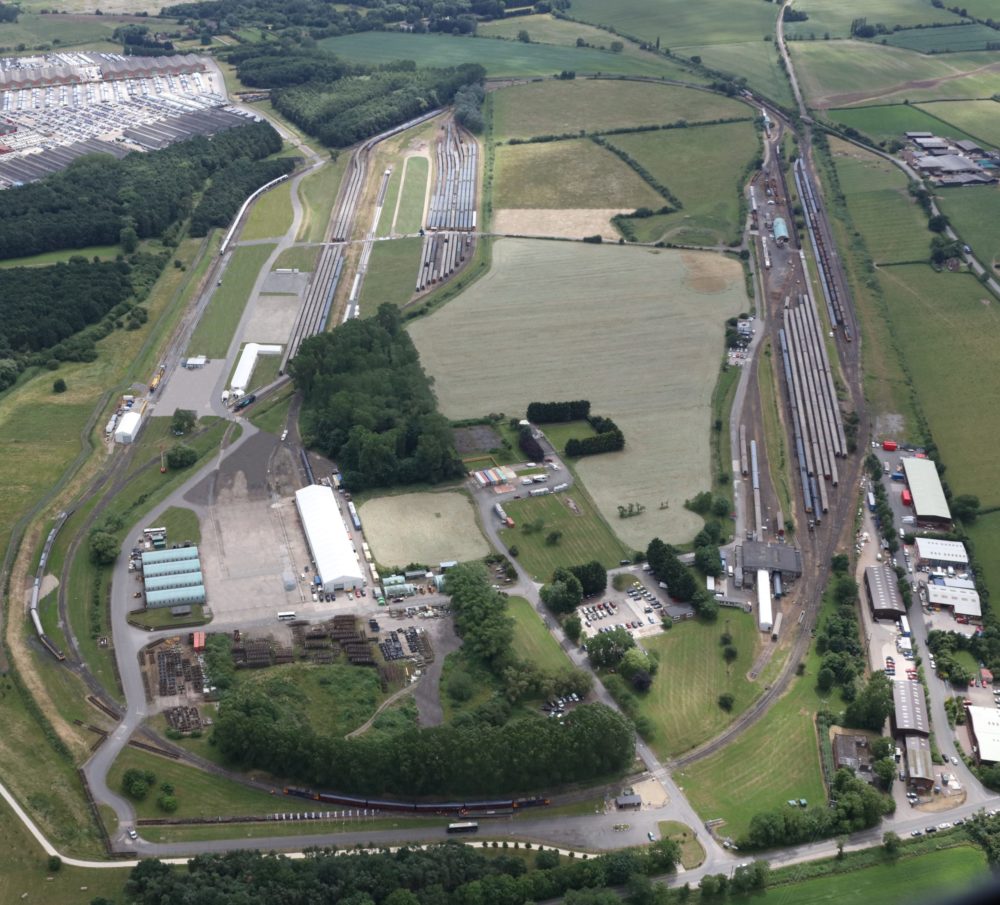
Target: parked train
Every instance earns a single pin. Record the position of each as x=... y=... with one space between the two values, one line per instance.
x=498 y=806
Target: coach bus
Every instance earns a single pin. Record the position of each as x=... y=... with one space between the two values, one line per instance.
x=468 y=826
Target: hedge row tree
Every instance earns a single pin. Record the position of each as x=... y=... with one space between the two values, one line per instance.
x=558 y=412
x=368 y=404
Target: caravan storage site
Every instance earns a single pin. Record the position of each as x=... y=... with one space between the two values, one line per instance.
x=560 y=321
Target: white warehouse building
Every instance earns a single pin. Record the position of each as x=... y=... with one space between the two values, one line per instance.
x=128 y=427
x=337 y=564
x=765 y=613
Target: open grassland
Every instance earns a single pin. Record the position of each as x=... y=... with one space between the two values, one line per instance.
x=546 y=29
x=979 y=119
x=677 y=22
x=302 y=257
x=943 y=40
x=703 y=166
x=836 y=16
x=560 y=434
x=272 y=414
x=532 y=640
x=692 y=853
x=317 y=192
x=389 y=205
x=946 y=327
x=214 y=332
x=853 y=73
x=270 y=214
x=182 y=525
x=422 y=527
x=64 y=31
x=985 y=535
x=568 y=175
x=104 y=252
x=24 y=873
x=558 y=107
x=891 y=122
x=975 y=214
x=892 y=223
x=392 y=274
x=683 y=701
x=938 y=875
x=644 y=351
x=777 y=758
x=757 y=61
x=584 y=533
x=500 y=58
x=410 y=213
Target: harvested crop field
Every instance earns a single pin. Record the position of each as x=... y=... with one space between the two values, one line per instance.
x=560 y=223
x=567 y=325
x=555 y=108
x=422 y=527
x=980 y=119
x=567 y=174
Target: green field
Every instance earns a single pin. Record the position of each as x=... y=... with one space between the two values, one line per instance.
x=532 y=640
x=979 y=119
x=302 y=257
x=214 y=332
x=104 y=252
x=683 y=702
x=389 y=205
x=934 y=876
x=62 y=31
x=757 y=61
x=985 y=536
x=270 y=215
x=678 y=23
x=501 y=58
x=943 y=40
x=692 y=853
x=317 y=192
x=555 y=108
x=272 y=414
x=392 y=274
x=575 y=174
x=890 y=123
x=585 y=536
x=836 y=16
x=545 y=29
x=560 y=434
x=946 y=326
x=24 y=872
x=975 y=213
x=892 y=223
x=410 y=213
x=182 y=525
x=703 y=166
x=854 y=73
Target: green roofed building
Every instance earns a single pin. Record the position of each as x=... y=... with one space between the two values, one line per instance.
x=175 y=597
x=166 y=582
x=157 y=556
x=178 y=566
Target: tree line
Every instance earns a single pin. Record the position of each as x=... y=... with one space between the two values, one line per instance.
x=99 y=200
x=447 y=874
x=609 y=438
x=558 y=412
x=679 y=579
x=368 y=404
x=231 y=186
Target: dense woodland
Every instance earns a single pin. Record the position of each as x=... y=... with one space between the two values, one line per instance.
x=369 y=405
x=231 y=186
x=447 y=874
x=98 y=197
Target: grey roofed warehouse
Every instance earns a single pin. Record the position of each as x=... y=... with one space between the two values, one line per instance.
x=883 y=592
x=909 y=708
x=782 y=558
x=929 y=501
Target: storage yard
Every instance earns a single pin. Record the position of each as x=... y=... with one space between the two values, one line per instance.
x=57 y=107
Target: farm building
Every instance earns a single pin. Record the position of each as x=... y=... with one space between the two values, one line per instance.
x=919 y=766
x=175 y=597
x=941 y=554
x=984 y=731
x=961 y=601
x=883 y=592
x=930 y=143
x=782 y=558
x=780 y=231
x=929 y=502
x=968 y=147
x=174 y=567
x=765 y=612
x=128 y=427
x=329 y=542
x=909 y=709
x=167 y=582
x=852 y=751
x=175 y=554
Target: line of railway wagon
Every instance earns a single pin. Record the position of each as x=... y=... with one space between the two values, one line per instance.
x=452 y=211
x=493 y=807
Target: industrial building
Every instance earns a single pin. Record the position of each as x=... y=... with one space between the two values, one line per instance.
x=765 y=612
x=984 y=731
x=883 y=592
x=941 y=554
x=174 y=567
x=169 y=582
x=909 y=709
x=853 y=752
x=961 y=601
x=782 y=558
x=780 y=231
x=247 y=362
x=175 y=597
x=128 y=427
x=329 y=542
x=919 y=765
x=929 y=503
x=173 y=578
x=153 y=557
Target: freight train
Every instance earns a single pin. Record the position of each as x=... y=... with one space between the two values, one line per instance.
x=498 y=806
